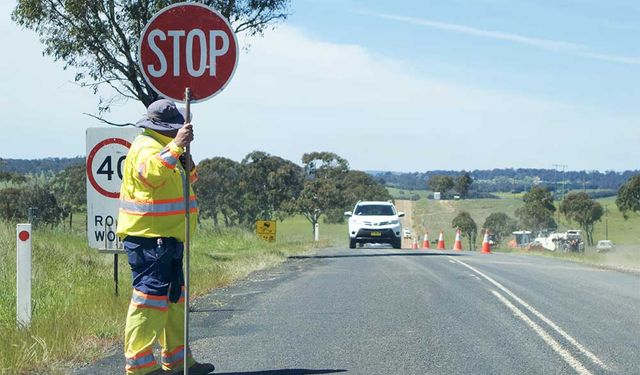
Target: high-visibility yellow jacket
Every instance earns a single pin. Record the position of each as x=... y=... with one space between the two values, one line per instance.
x=151 y=196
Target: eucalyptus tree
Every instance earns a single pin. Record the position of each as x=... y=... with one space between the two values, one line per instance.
x=99 y=38
x=582 y=209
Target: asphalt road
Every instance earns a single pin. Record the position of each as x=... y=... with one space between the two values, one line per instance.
x=384 y=311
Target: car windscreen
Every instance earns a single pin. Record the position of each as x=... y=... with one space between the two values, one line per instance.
x=375 y=210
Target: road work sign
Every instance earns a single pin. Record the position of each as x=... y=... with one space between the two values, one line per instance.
x=266 y=229
x=106 y=151
x=188 y=45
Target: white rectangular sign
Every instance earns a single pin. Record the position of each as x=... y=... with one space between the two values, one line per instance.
x=106 y=151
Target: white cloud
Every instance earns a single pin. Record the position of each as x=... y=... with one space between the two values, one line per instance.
x=548 y=44
x=294 y=94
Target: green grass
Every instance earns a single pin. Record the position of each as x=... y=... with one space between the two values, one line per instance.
x=298 y=229
x=437 y=215
x=74 y=305
x=407 y=194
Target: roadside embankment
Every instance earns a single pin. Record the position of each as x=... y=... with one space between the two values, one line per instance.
x=74 y=304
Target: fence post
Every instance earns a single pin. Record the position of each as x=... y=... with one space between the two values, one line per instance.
x=23 y=274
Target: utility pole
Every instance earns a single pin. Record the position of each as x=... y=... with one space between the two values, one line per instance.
x=555 y=181
x=564 y=180
x=557 y=166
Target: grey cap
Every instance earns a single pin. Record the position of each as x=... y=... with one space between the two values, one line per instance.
x=163 y=115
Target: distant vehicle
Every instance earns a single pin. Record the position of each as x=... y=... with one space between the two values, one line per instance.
x=523 y=238
x=374 y=222
x=406 y=233
x=493 y=241
x=570 y=240
x=604 y=245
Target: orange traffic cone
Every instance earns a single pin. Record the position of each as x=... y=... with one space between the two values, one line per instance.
x=425 y=243
x=414 y=246
x=486 y=246
x=441 y=241
x=458 y=244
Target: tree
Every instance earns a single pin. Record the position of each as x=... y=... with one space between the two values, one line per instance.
x=318 y=197
x=538 y=209
x=579 y=207
x=358 y=185
x=15 y=204
x=269 y=185
x=500 y=225
x=70 y=188
x=218 y=189
x=323 y=164
x=99 y=38
x=322 y=190
x=441 y=183
x=463 y=183
x=10 y=205
x=467 y=226
x=47 y=208
x=628 y=198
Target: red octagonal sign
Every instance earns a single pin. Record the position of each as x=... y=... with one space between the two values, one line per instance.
x=188 y=45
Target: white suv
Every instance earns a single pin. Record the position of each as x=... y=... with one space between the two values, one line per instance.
x=374 y=222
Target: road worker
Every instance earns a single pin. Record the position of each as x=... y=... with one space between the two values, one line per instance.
x=151 y=224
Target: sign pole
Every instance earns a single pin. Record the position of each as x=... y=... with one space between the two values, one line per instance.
x=187 y=242
x=217 y=53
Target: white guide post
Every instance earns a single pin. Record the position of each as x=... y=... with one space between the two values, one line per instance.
x=316 y=234
x=23 y=274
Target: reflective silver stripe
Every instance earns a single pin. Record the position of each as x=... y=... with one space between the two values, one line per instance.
x=144 y=360
x=177 y=357
x=156 y=208
x=141 y=300
x=168 y=157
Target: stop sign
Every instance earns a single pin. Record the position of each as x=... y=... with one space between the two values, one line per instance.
x=188 y=45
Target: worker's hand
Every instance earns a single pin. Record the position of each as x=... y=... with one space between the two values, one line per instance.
x=184 y=136
x=183 y=161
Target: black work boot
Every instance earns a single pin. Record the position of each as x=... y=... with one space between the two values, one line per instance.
x=195 y=369
x=201 y=368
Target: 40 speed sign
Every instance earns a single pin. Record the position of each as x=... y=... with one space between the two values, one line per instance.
x=106 y=151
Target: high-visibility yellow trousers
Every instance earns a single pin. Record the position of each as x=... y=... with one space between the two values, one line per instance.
x=152 y=318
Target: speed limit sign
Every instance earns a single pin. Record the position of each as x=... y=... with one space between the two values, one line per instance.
x=106 y=151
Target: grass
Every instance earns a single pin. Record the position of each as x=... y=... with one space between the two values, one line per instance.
x=74 y=305
x=436 y=215
x=407 y=194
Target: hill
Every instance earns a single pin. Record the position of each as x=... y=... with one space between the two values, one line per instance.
x=515 y=179
x=37 y=166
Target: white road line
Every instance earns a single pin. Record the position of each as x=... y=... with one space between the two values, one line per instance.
x=571 y=360
x=535 y=312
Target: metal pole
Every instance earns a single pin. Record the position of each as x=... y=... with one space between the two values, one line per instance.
x=115 y=271
x=187 y=225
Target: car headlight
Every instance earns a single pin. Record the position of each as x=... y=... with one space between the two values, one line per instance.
x=394 y=222
x=356 y=222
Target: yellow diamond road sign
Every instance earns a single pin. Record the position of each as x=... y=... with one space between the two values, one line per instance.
x=266 y=229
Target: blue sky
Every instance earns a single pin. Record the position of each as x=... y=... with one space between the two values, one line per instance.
x=405 y=86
